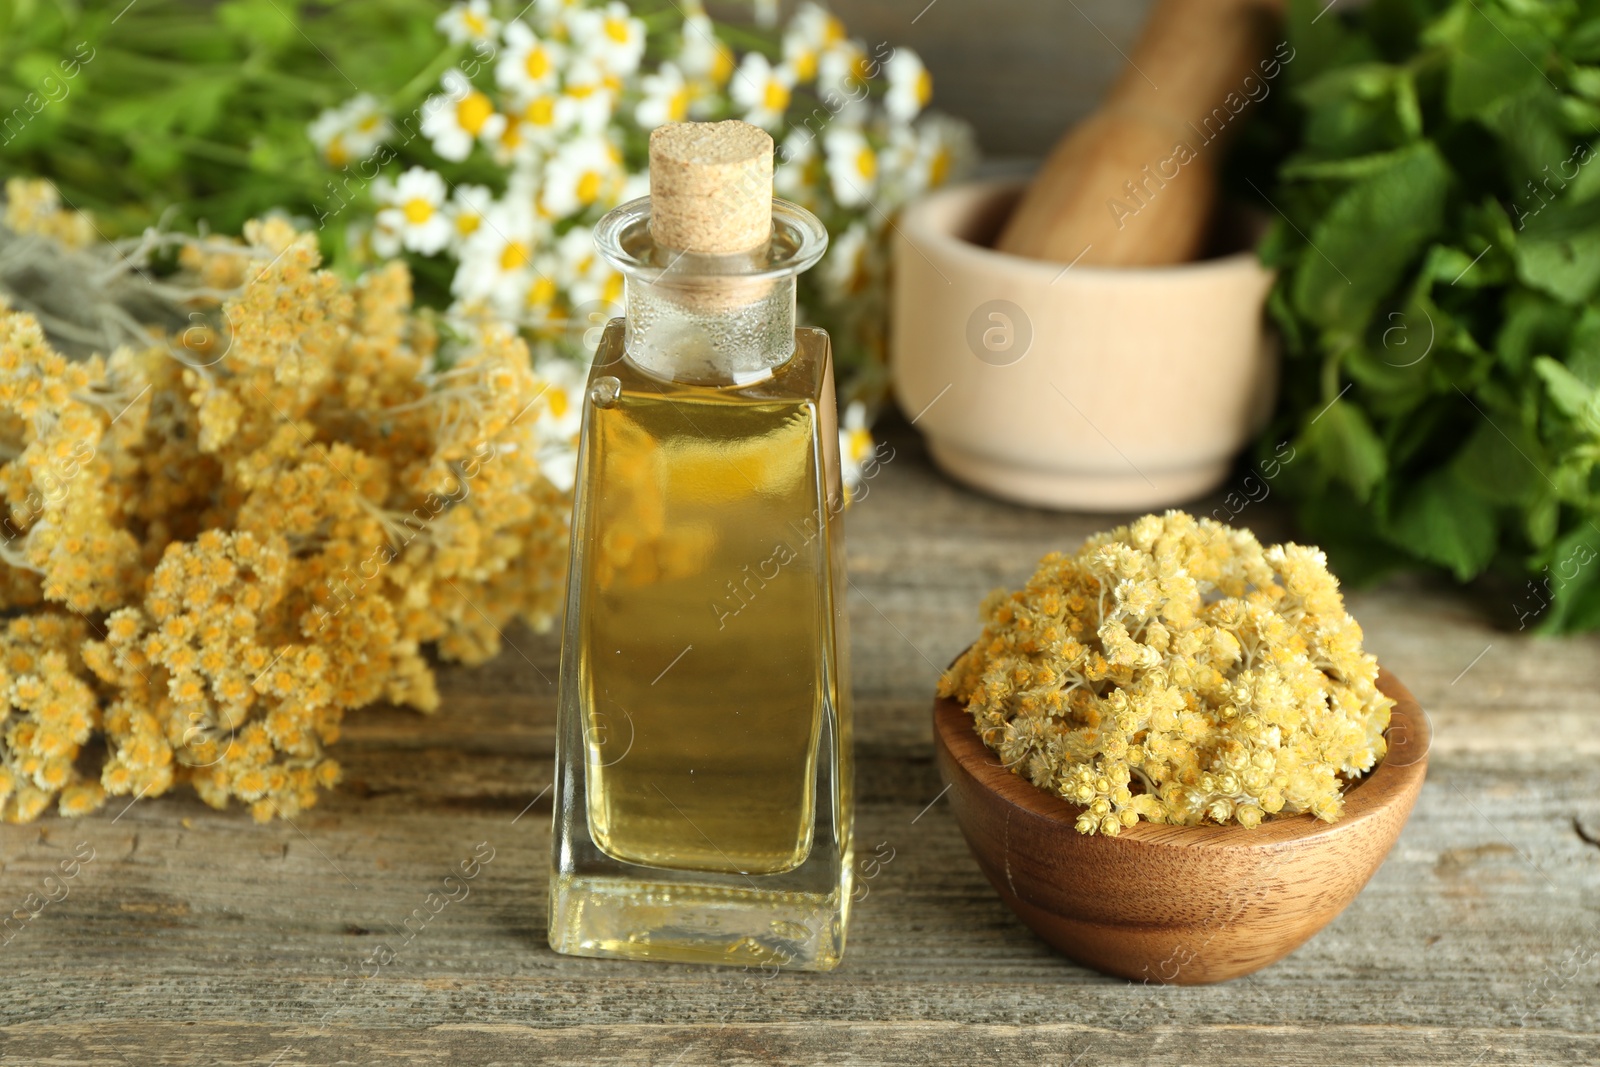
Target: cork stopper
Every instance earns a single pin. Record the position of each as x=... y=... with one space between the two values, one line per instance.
x=710 y=187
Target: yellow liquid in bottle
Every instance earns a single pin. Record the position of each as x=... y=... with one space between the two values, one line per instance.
x=705 y=607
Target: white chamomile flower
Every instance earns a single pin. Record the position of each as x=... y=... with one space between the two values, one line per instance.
x=416 y=212
x=844 y=269
x=811 y=31
x=543 y=120
x=468 y=205
x=497 y=260
x=582 y=173
x=843 y=75
x=910 y=85
x=459 y=116
x=666 y=98
x=469 y=21
x=794 y=175
x=945 y=149
x=350 y=132
x=762 y=90
x=855 y=445
x=610 y=35
x=635 y=186
x=540 y=295
x=530 y=65
x=702 y=57
x=553 y=13
x=595 y=286
x=901 y=174
x=852 y=165
x=384 y=240
x=593 y=91
x=840 y=66
x=558 y=404
x=521 y=143
x=558 y=417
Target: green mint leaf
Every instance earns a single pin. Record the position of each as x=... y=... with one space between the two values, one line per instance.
x=1496 y=58
x=1346 y=447
x=1342 y=168
x=1585 y=81
x=1543 y=516
x=1583 y=43
x=1564 y=591
x=1444 y=521
x=1565 y=266
x=1499 y=467
x=1583 y=354
x=1534 y=325
x=1567 y=391
x=1362 y=245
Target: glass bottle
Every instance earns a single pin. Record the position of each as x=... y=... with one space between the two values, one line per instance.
x=703 y=783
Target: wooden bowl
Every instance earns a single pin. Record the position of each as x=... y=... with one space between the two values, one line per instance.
x=1177 y=904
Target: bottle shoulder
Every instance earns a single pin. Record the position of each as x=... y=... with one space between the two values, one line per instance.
x=806 y=375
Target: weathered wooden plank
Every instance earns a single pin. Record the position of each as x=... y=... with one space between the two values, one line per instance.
x=246 y=923
x=197 y=936
x=819 y=1043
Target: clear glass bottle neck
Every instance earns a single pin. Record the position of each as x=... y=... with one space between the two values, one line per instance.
x=710 y=319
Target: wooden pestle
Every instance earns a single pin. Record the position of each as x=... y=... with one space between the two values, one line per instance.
x=1133 y=185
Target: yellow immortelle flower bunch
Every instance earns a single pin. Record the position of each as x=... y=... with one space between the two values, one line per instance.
x=210 y=549
x=34 y=207
x=1177 y=671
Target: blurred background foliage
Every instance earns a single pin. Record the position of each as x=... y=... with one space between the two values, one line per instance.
x=193 y=112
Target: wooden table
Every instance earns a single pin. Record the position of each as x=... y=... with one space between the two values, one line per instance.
x=196 y=936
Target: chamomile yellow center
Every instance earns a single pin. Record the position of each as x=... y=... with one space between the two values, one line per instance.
x=860 y=444
x=541 y=292
x=776 y=98
x=514 y=255
x=588 y=188
x=473 y=112
x=417 y=210
x=541 y=111
x=867 y=163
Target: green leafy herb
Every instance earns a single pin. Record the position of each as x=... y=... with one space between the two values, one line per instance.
x=192 y=113
x=1439 y=259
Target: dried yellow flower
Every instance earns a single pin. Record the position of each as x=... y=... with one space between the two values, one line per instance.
x=227 y=541
x=1175 y=670
x=34 y=207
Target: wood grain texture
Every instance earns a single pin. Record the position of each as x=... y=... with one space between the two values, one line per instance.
x=1176 y=904
x=198 y=937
